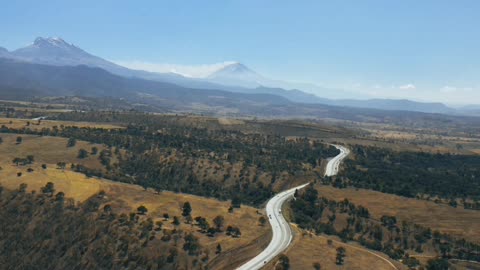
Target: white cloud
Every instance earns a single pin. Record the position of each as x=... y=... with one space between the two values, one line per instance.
x=194 y=71
x=407 y=87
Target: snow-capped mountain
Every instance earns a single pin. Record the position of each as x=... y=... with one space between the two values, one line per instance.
x=237 y=74
x=231 y=76
x=55 y=51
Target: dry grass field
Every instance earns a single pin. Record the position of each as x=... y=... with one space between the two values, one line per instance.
x=48 y=150
x=455 y=221
x=308 y=249
x=74 y=185
x=122 y=197
x=36 y=125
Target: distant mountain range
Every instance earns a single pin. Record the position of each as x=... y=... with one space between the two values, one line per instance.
x=20 y=79
x=234 y=79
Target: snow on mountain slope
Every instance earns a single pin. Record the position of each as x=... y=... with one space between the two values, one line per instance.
x=57 y=52
x=236 y=74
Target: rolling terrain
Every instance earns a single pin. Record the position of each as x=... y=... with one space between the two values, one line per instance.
x=242 y=172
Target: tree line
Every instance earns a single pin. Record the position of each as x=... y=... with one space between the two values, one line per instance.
x=388 y=234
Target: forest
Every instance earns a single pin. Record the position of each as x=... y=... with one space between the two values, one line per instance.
x=46 y=230
x=412 y=174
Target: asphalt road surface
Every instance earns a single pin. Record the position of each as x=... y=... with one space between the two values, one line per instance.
x=334 y=163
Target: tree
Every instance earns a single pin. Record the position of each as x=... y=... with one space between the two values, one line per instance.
x=107 y=208
x=191 y=244
x=19 y=140
x=219 y=249
x=59 y=197
x=159 y=225
x=17 y=160
x=61 y=165
x=437 y=264
x=176 y=221
x=30 y=159
x=283 y=262
x=48 y=189
x=187 y=209
x=71 y=142
x=94 y=150
x=1 y=140
x=411 y=262
x=166 y=216
x=445 y=249
x=317 y=266
x=44 y=166
x=202 y=223
x=219 y=222
x=172 y=255
x=340 y=256
x=236 y=202
x=211 y=231
x=82 y=153
x=262 y=220
x=142 y=210
x=234 y=231
x=22 y=188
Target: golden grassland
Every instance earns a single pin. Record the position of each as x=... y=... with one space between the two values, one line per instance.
x=38 y=125
x=74 y=185
x=308 y=249
x=456 y=221
x=122 y=197
x=45 y=149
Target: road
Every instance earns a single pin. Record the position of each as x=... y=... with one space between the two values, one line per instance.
x=281 y=232
x=334 y=163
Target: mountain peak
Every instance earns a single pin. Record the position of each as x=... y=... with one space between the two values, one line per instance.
x=56 y=51
x=235 y=67
x=50 y=41
x=236 y=74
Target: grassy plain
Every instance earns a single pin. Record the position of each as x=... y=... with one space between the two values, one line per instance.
x=456 y=221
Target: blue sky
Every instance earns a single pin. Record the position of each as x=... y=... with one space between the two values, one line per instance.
x=424 y=50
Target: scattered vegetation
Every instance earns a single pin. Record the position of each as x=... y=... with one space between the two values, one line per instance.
x=388 y=235
x=70 y=236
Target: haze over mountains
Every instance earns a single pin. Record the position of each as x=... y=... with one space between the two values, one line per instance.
x=233 y=78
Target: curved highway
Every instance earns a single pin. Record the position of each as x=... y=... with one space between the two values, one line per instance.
x=334 y=163
x=282 y=234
